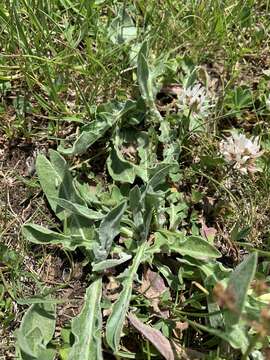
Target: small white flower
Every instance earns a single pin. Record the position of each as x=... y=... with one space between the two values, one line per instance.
x=241 y=152
x=194 y=101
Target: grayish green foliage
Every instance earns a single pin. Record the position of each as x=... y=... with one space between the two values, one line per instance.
x=77 y=209
x=107 y=264
x=122 y=28
x=109 y=228
x=56 y=181
x=97 y=128
x=194 y=246
x=116 y=320
x=69 y=56
x=144 y=75
x=40 y=235
x=238 y=286
x=35 y=332
x=87 y=326
x=119 y=168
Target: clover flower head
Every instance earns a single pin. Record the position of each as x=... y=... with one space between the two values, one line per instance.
x=193 y=100
x=241 y=152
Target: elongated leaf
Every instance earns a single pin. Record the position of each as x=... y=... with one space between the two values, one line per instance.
x=237 y=336
x=160 y=342
x=197 y=247
x=109 y=228
x=39 y=235
x=177 y=213
x=139 y=143
x=56 y=181
x=36 y=331
x=119 y=168
x=107 y=264
x=238 y=286
x=25 y=352
x=146 y=81
x=144 y=75
x=86 y=327
x=194 y=246
x=120 y=307
x=158 y=176
x=89 y=135
x=78 y=209
x=136 y=205
x=122 y=28
x=97 y=128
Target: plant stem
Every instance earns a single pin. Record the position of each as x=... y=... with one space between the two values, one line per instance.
x=251 y=346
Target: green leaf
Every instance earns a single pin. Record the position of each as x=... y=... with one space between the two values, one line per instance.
x=193 y=246
x=236 y=337
x=198 y=247
x=120 y=169
x=136 y=205
x=144 y=75
x=109 y=228
x=177 y=214
x=39 y=235
x=87 y=326
x=122 y=28
x=56 y=181
x=238 y=285
x=139 y=142
x=89 y=135
x=88 y=193
x=36 y=331
x=97 y=128
x=107 y=264
x=158 y=175
x=78 y=209
x=123 y=170
x=120 y=307
x=9 y=257
x=238 y=99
